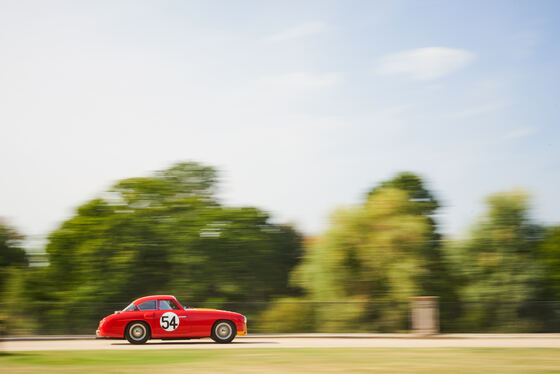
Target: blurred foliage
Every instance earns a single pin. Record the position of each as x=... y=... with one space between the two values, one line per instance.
x=168 y=233
x=381 y=252
x=549 y=256
x=11 y=252
x=163 y=234
x=287 y=315
x=498 y=264
x=12 y=259
x=424 y=201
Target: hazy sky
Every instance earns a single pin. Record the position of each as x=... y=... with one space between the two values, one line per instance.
x=303 y=106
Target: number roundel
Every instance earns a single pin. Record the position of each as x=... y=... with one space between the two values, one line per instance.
x=169 y=321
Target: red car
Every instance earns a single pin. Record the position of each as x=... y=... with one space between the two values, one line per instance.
x=163 y=317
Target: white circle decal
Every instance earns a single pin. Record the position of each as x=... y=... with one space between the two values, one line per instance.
x=169 y=321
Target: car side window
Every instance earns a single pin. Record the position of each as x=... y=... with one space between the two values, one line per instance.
x=147 y=305
x=167 y=305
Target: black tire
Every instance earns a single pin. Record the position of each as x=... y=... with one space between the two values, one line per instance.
x=223 y=331
x=137 y=332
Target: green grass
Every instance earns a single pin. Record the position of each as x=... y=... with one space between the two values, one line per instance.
x=312 y=360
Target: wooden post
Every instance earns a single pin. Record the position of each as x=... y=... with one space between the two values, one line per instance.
x=425 y=315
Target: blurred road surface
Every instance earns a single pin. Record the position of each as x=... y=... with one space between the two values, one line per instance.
x=300 y=341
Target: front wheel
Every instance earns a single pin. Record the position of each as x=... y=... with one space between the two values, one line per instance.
x=137 y=333
x=223 y=331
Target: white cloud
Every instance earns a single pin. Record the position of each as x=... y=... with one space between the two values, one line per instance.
x=301 y=80
x=519 y=133
x=304 y=29
x=425 y=63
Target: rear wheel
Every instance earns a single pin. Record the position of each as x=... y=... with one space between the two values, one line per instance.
x=137 y=332
x=223 y=331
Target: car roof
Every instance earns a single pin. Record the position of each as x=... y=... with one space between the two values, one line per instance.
x=153 y=297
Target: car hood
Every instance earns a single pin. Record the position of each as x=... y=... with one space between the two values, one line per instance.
x=218 y=311
x=213 y=310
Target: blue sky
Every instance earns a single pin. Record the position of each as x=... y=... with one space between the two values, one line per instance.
x=303 y=106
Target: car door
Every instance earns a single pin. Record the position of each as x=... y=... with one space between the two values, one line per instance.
x=170 y=320
x=147 y=311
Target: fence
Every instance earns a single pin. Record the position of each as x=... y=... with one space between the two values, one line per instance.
x=488 y=317
x=43 y=318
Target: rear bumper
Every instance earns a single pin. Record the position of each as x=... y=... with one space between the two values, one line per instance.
x=99 y=336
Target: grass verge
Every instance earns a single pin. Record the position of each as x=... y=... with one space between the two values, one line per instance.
x=305 y=360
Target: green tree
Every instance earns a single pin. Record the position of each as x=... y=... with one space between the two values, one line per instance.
x=425 y=202
x=497 y=266
x=549 y=258
x=436 y=280
x=165 y=233
x=11 y=252
x=374 y=257
x=12 y=260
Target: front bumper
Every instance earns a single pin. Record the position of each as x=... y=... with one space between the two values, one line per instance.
x=243 y=331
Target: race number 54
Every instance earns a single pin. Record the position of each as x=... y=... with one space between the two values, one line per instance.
x=169 y=321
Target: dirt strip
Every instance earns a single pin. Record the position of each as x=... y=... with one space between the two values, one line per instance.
x=490 y=341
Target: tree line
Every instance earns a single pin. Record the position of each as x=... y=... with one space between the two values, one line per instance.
x=168 y=233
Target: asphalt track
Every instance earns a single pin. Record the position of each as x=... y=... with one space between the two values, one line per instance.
x=298 y=341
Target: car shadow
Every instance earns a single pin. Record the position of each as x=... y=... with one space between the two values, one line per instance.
x=196 y=343
x=5 y=354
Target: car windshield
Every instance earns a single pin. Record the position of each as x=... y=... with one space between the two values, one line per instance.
x=130 y=308
x=181 y=305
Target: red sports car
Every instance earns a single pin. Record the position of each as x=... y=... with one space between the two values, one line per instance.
x=163 y=317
